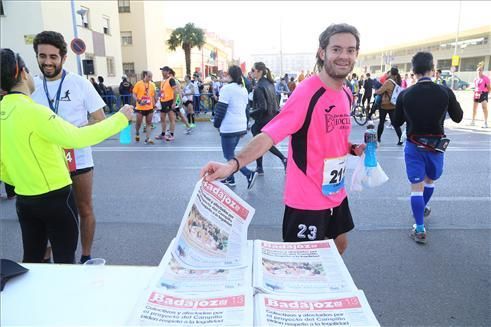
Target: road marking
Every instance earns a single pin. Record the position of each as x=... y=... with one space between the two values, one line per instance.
x=219 y=149
x=450 y=198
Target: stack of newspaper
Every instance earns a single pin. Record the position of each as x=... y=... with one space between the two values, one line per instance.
x=212 y=276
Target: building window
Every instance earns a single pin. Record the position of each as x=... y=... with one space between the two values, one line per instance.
x=2 y=13
x=110 y=66
x=129 y=68
x=126 y=38
x=90 y=56
x=444 y=64
x=105 y=25
x=124 y=6
x=470 y=64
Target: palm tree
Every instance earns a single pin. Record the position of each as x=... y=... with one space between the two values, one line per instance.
x=186 y=37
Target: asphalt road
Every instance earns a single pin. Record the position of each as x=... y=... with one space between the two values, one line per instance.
x=141 y=191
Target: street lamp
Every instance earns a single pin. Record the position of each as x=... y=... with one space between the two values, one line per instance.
x=82 y=12
x=75 y=33
x=456 y=41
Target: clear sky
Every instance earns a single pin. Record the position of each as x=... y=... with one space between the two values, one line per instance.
x=254 y=26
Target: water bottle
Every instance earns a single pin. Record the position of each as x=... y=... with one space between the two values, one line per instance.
x=371 y=145
x=125 y=135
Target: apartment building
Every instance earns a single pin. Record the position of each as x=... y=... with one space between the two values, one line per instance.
x=97 y=24
x=144 y=32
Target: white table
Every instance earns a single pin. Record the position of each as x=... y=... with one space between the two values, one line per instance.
x=72 y=295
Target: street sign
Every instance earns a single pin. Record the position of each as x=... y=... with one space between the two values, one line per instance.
x=78 y=46
x=455 y=60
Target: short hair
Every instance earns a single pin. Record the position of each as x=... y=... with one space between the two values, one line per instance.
x=325 y=37
x=146 y=73
x=11 y=65
x=368 y=74
x=394 y=71
x=422 y=63
x=100 y=79
x=439 y=71
x=52 y=38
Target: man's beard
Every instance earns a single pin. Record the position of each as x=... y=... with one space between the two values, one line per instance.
x=56 y=71
x=329 y=69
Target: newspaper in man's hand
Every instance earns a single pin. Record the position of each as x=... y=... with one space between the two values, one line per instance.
x=302 y=268
x=213 y=231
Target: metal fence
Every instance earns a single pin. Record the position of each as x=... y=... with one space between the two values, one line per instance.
x=113 y=103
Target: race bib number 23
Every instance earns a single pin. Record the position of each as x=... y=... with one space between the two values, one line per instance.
x=333 y=177
x=70 y=159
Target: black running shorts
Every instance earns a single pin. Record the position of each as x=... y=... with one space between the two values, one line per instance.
x=309 y=225
x=144 y=112
x=482 y=98
x=166 y=106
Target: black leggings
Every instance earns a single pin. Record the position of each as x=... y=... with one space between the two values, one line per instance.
x=380 y=129
x=256 y=129
x=52 y=216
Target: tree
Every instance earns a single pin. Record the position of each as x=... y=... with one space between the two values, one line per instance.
x=187 y=37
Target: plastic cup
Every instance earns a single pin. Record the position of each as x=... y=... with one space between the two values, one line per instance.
x=95 y=262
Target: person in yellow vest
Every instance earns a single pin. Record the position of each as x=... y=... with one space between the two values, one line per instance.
x=32 y=139
x=168 y=96
x=145 y=97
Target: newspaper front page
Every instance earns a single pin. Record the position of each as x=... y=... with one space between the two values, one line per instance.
x=332 y=309
x=172 y=276
x=213 y=229
x=163 y=308
x=303 y=267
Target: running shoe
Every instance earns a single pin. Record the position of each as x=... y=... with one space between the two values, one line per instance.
x=427 y=211
x=418 y=237
x=137 y=138
x=169 y=138
x=193 y=125
x=485 y=125
x=251 y=179
x=473 y=123
x=228 y=181
x=159 y=137
x=260 y=171
x=149 y=141
x=188 y=130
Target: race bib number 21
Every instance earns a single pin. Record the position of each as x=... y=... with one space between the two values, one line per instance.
x=333 y=178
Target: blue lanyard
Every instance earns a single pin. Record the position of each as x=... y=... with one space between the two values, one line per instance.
x=54 y=107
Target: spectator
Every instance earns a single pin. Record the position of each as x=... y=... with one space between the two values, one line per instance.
x=125 y=90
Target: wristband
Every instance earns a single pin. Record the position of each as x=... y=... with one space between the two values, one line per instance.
x=238 y=164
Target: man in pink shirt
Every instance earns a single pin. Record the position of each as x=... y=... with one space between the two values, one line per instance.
x=317 y=119
x=481 y=91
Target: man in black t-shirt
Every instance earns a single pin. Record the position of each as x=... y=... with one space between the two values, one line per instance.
x=424 y=107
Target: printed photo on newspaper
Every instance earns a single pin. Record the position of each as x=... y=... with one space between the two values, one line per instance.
x=332 y=309
x=162 y=308
x=303 y=267
x=172 y=276
x=213 y=231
